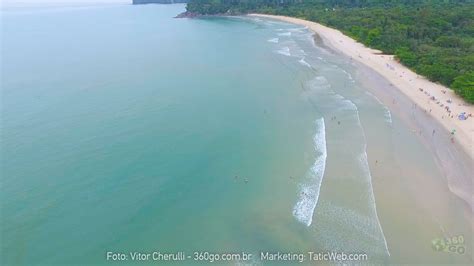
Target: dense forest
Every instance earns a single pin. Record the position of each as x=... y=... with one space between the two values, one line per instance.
x=435 y=38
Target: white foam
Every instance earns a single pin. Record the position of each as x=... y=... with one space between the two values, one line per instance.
x=322 y=59
x=370 y=218
x=297 y=29
x=387 y=113
x=284 y=34
x=344 y=104
x=276 y=23
x=365 y=166
x=348 y=74
x=303 y=62
x=320 y=79
x=309 y=191
x=332 y=235
x=284 y=51
x=274 y=40
x=319 y=83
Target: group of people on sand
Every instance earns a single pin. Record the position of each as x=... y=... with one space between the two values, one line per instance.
x=446 y=107
x=448 y=110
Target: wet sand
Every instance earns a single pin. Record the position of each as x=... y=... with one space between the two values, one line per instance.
x=414 y=196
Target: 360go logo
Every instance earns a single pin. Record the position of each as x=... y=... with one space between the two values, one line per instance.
x=453 y=244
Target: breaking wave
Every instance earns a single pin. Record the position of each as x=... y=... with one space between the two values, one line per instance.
x=309 y=191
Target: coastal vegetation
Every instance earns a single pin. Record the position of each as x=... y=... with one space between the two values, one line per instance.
x=435 y=38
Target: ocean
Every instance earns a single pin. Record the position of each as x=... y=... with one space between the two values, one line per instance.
x=125 y=130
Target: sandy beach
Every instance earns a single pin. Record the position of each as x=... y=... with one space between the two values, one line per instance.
x=437 y=107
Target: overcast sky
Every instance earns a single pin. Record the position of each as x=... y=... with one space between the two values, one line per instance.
x=61 y=2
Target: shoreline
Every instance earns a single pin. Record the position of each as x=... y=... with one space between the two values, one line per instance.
x=401 y=77
x=417 y=110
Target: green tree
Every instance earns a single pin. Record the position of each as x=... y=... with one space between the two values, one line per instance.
x=464 y=86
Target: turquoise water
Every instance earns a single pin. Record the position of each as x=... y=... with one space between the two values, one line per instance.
x=126 y=130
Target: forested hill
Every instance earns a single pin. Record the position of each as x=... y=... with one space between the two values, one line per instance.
x=435 y=38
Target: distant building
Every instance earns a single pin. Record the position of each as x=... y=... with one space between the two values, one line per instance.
x=140 y=2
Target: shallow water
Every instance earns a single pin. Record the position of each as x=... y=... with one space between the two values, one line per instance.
x=124 y=129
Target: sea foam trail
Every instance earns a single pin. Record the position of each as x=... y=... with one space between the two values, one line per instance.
x=284 y=51
x=303 y=62
x=274 y=40
x=387 y=113
x=364 y=162
x=284 y=34
x=297 y=29
x=309 y=191
x=373 y=230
